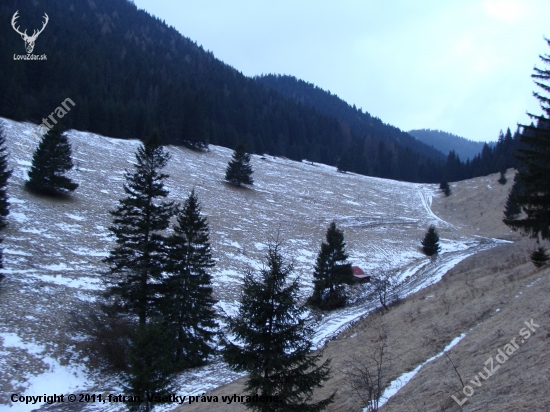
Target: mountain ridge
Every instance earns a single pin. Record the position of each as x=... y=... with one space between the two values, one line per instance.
x=445 y=142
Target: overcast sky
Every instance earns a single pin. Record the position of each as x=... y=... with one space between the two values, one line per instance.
x=460 y=66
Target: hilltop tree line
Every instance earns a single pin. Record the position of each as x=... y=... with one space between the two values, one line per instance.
x=138 y=74
x=128 y=72
x=492 y=159
x=373 y=148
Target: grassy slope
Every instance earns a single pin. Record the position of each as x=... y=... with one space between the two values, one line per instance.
x=53 y=252
x=487 y=296
x=53 y=248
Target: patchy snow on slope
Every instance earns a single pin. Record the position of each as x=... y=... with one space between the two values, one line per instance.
x=54 y=249
x=398 y=383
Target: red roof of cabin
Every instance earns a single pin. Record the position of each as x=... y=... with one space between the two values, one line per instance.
x=357 y=271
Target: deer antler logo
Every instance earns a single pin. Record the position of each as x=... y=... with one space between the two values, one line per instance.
x=29 y=40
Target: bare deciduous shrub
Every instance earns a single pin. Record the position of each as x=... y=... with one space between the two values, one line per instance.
x=446 y=303
x=104 y=334
x=369 y=371
x=471 y=287
x=408 y=315
x=384 y=287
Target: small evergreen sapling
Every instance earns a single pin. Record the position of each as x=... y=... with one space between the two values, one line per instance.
x=430 y=243
x=502 y=179
x=50 y=161
x=238 y=169
x=445 y=188
x=331 y=271
x=272 y=341
x=539 y=257
x=187 y=288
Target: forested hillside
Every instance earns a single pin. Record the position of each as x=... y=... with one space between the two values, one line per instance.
x=445 y=142
x=374 y=148
x=128 y=72
x=378 y=149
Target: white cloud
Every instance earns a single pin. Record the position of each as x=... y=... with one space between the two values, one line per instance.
x=509 y=11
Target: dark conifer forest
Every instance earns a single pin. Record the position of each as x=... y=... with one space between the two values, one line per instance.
x=128 y=73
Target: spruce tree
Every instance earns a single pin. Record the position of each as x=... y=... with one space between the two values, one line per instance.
x=502 y=179
x=150 y=372
x=539 y=257
x=534 y=173
x=238 y=169
x=137 y=261
x=445 y=188
x=273 y=341
x=430 y=243
x=5 y=174
x=331 y=272
x=511 y=207
x=187 y=288
x=50 y=161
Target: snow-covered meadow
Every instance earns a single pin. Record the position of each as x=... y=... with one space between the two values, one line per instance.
x=53 y=249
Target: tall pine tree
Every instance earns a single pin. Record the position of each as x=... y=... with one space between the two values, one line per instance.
x=5 y=174
x=273 y=341
x=50 y=162
x=137 y=261
x=331 y=272
x=238 y=169
x=187 y=289
x=534 y=174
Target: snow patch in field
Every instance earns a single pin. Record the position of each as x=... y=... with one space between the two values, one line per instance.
x=75 y=217
x=58 y=379
x=9 y=251
x=407 y=376
x=20 y=217
x=57 y=267
x=82 y=251
x=82 y=283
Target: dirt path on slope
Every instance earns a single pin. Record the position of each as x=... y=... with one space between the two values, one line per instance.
x=481 y=287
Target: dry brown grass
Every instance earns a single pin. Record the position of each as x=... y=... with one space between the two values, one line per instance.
x=466 y=300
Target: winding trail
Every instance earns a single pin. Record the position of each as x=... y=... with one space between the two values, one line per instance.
x=416 y=276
